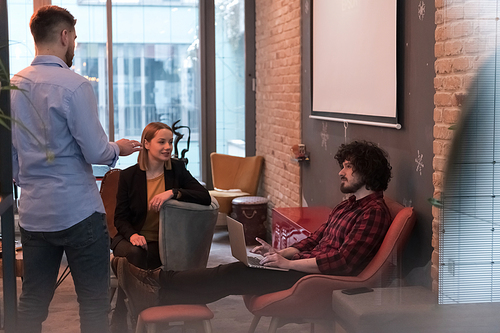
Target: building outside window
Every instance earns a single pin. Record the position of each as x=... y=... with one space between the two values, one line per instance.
x=230 y=76
x=156 y=67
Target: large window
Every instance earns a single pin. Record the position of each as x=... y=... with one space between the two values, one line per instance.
x=156 y=75
x=21 y=47
x=230 y=76
x=156 y=67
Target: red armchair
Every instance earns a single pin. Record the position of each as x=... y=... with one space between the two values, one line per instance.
x=310 y=299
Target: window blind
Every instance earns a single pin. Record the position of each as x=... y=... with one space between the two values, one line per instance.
x=469 y=235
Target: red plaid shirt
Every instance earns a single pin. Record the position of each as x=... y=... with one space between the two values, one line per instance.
x=350 y=238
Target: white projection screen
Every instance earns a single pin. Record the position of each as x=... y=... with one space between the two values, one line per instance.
x=354 y=61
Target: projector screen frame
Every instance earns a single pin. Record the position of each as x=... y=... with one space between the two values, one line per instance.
x=307 y=73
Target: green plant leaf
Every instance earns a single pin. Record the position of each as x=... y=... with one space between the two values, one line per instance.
x=435 y=202
x=5 y=120
x=11 y=87
x=3 y=123
x=453 y=127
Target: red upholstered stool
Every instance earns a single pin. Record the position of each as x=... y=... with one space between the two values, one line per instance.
x=197 y=316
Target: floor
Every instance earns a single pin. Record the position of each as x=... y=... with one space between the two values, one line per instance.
x=231 y=316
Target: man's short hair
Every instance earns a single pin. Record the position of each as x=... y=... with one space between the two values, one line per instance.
x=46 y=22
x=369 y=160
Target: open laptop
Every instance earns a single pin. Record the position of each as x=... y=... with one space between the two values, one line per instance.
x=239 y=248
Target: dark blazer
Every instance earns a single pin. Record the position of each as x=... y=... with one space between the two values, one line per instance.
x=131 y=198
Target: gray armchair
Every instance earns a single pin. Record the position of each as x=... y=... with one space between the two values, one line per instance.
x=186 y=232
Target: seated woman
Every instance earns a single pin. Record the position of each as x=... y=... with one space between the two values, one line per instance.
x=142 y=190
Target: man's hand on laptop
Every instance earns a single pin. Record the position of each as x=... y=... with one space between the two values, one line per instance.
x=275 y=260
x=263 y=248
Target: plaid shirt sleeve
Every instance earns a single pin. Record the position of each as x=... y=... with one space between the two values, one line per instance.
x=359 y=245
x=311 y=241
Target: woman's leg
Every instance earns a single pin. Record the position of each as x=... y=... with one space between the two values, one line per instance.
x=153 y=257
x=135 y=255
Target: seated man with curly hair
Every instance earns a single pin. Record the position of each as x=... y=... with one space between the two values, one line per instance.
x=343 y=245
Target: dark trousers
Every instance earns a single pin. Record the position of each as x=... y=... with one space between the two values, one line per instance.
x=137 y=256
x=206 y=285
x=86 y=245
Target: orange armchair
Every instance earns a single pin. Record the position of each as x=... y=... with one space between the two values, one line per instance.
x=310 y=299
x=234 y=177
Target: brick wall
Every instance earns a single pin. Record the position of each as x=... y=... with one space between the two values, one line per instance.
x=463 y=40
x=278 y=113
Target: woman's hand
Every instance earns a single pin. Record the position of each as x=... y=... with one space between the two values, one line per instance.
x=158 y=200
x=139 y=240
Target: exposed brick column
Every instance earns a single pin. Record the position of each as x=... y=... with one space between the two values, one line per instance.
x=278 y=113
x=463 y=39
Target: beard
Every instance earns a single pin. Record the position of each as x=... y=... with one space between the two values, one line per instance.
x=352 y=188
x=69 y=58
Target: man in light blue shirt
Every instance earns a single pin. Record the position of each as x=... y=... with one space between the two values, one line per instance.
x=55 y=140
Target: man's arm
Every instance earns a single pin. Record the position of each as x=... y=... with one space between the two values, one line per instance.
x=302 y=265
x=84 y=125
x=281 y=258
x=266 y=249
x=313 y=239
x=358 y=247
x=15 y=165
x=289 y=252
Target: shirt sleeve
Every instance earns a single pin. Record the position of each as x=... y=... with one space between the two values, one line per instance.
x=359 y=246
x=84 y=125
x=123 y=211
x=15 y=165
x=312 y=241
x=191 y=189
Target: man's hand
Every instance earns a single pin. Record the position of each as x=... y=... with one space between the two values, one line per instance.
x=275 y=260
x=158 y=200
x=128 y=147
x=139 y=240
x=264 y=248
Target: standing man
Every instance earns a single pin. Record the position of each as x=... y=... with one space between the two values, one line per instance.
x=343 y=245
x=60 y=209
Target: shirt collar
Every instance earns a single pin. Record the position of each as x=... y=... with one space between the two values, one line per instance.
x=168 y=165
x=376 y=195
x=49 y=60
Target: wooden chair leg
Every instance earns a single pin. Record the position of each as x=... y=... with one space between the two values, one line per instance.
x=273 y=326
x=253 y=325
x=207 y=326
x=140 y=327
x=152 y=328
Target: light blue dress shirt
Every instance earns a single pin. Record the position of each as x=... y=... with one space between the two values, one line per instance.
x=59 y=107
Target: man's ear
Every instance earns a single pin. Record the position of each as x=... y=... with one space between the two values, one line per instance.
x=64 y=37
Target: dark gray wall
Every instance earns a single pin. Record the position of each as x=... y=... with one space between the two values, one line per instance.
x=412 y=143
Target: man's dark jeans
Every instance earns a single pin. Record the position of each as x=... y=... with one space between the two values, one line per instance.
x=86 y=245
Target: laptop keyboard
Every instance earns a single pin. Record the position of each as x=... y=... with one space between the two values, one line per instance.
x=254 y=261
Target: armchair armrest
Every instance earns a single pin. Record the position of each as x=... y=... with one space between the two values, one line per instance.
x=185 y=234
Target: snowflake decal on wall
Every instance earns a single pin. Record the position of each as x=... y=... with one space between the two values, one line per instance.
x=324 y=135
x=421 y=10
x=420 y=164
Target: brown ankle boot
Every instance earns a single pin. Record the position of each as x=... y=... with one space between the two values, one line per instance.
x=146 y=276
x=140 y=295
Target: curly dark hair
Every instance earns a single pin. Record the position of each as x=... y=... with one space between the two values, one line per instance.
x=46 y=22
x=369 y=160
